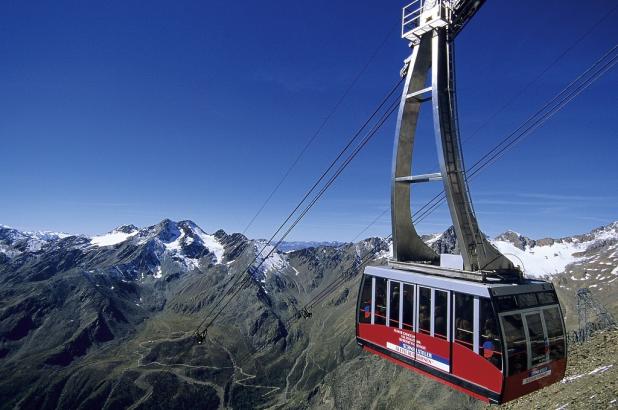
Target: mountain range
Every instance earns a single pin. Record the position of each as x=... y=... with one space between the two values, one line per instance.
x=107 y=321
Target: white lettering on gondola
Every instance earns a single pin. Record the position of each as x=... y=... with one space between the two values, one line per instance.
x=406 y=347
x=537 y=374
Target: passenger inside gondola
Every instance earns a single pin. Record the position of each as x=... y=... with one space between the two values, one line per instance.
x=490 y=344
x=367 y=310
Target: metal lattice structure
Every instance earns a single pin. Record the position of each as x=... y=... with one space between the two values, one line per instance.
x=592 y=315
x=431 y=27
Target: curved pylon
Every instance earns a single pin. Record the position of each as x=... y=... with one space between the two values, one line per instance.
x=434 y=51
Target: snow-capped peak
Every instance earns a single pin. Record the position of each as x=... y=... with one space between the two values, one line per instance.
x=127 y=228
x=606 y=232
x=189 y=235
x=185 y=240
x=14 y=242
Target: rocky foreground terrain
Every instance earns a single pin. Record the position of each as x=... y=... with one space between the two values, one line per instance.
x=108 y=321
x=591 y=380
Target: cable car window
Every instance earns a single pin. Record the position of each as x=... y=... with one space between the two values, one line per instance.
x=490 y=344
x=408 y=307
x=555 y=332
x=506 y=303
x=515 y=338
x=424 y=310
x=394 y=304
x=380 y=307
x=526 y=300
x=464 y=318
x=547 y=298
x=440 y=312
x=538 y=350
x=364 y=314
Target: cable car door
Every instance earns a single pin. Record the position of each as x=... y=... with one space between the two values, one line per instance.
x=536 y=335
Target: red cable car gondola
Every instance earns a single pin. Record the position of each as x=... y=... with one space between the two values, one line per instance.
x=493 y=341
x=478 y=325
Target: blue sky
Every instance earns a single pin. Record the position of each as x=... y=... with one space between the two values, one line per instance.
x=130 y=112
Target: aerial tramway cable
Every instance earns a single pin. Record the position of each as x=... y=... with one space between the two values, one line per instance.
x=371 y=133
x=576 y=87
x=320 y=128
x=555 y=61
x=332 y=179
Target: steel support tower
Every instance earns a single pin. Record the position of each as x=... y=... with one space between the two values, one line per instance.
x=592 y=315
x=431 y=27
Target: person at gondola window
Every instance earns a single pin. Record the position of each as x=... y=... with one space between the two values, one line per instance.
x=489 y=348
x=491 y=344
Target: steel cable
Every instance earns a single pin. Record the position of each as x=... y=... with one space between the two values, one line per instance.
x=385 y=116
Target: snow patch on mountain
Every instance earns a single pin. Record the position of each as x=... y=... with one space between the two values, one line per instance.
x=606 y=232
x=541 y=257
x=387 y=253
x=112 y=238
x=213 y=245
x=552 y=256
x=176 y=245
x=275 y=261
x=542 y=260
x=432 y=238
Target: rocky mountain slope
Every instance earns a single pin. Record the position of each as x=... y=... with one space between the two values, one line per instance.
x=107 y=321
x=591 y=380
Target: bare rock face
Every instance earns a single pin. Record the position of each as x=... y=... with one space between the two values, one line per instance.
x=447 y=243
x=520 y=241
